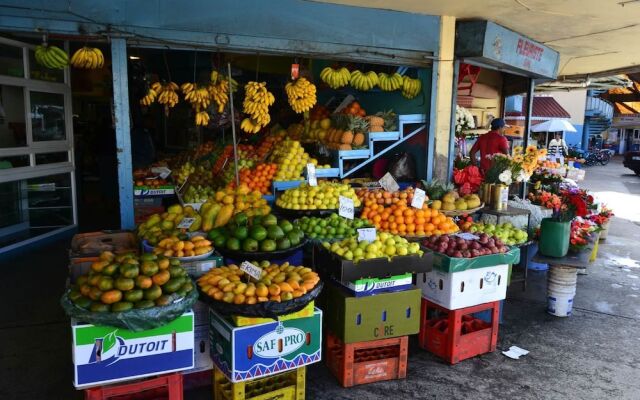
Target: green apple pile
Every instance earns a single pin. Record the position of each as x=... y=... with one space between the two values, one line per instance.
x=386 y=245
x=506 y=232
x=198 y=194
x=259 y=233
x=332 y=227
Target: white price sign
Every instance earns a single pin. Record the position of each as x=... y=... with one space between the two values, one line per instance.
x=366 y=234
x=163 y=172
x=186 y=223
x=388 y=183
x=418 y=199
x=347 y=208
x=467 y=236
x=311 y=175
x=251 y=269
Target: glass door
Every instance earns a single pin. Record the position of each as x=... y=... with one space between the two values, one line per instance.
x=37 y=183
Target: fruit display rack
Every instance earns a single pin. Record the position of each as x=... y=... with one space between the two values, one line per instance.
x=457 y=213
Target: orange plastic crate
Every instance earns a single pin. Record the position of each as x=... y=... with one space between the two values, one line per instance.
x=162 y=387
x=455 y=335
x=366 y=362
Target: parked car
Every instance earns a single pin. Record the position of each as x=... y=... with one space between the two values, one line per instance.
x=632 y=161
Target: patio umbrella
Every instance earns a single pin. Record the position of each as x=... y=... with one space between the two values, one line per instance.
x=554 y=125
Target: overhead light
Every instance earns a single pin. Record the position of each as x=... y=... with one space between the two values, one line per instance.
x=134 y=57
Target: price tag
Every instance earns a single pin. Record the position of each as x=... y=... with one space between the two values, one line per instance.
x=186 y=223
x=388 y=183
x=251 y=269
x=467 y=236
x=347 y=209
x=163 y=172
x=366 y=234
x=311 y=175
x=418 y=199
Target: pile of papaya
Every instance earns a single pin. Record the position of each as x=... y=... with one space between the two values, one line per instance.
x=117 y=283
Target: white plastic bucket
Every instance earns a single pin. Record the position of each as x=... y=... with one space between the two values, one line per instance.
x=561 y=289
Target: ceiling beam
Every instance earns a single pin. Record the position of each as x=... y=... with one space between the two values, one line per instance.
x=628 y=107
x=622 y=98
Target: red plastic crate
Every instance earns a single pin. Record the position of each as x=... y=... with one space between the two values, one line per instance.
x=162 y=387
x=366 y=362
x=455 y=335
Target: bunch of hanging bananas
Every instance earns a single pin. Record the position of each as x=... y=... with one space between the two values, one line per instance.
x=150 y=97
x=198 y=97
x=301 y=95
x=256 y=103
x=219 y=90
x=335 y=78
x=389 y=83
x=362 y=81
x=411 y=87
x=51 y=57
x=216 y=77
x=168 y=96
x=202 y=118
x=88 y=58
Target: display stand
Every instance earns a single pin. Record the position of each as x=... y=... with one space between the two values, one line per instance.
x=524 y=247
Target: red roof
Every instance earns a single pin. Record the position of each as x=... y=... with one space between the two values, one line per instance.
x=545 y=107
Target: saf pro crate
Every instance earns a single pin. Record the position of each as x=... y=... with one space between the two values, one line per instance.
x=104 y=354
x=255 y=351
x=380 y=316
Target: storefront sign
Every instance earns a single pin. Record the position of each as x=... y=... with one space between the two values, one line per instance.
x=629 y=120
x=487 y=43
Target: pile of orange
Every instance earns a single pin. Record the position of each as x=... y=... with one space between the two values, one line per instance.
x=258 y=178
x=379 y=196
x=392 y=212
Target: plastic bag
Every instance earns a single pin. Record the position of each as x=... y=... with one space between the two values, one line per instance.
x=403 y=167
x=267 y=309
x=136 y=320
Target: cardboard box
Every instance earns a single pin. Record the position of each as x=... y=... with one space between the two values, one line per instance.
x=104 y=354
x=201 y=350
x=454 y=290
x=331 y=265
x=255 y=351
x=358 y=319
x=201 y=313
x=369 y=286
x=144 y=191
x=196 y=269
x=306 y=312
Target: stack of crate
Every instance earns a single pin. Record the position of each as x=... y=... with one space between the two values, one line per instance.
x=262 y=358
x=454 y=294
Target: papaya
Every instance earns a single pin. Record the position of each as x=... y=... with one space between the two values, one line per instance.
x=155 y=219
x=209 y=217
x=205 y=207
x=197 y=224
x=224 y=215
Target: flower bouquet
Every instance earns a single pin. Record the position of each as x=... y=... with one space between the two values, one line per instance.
x=546 y=199
x=464 y=122
x=467 y=179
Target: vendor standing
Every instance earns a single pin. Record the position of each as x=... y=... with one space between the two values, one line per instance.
x=558 y=148
x=492 y=142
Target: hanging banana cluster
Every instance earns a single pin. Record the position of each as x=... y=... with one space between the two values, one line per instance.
x=51 y=57
x=150 y=97
x=256 y=103
x=88 y=58
x=389 y=83
x=301 y=95
x=219 y=90
x=362 y=81
x=199 y=99
x=168 y=95
x=411 y=87
x=335 y=78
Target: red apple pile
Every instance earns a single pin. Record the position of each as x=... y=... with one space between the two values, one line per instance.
x=454 y=246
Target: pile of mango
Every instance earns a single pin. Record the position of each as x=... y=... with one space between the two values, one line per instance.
x=123 y=282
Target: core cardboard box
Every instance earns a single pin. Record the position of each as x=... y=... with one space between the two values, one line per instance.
x=331 y=265
x=358 y=319
x=105 y=354
x=254 y=351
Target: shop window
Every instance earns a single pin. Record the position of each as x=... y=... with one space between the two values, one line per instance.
x=52 y=158
x=13 y=131
x=47 y=116
x=7 y=162
x=11 y=62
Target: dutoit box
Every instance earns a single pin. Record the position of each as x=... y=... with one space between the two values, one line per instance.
x=106 y=354
x=255 y=351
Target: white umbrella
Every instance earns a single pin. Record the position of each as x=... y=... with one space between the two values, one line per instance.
x=554 y=125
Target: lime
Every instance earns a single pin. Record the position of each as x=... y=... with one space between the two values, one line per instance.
x=233 y=244
x=250 y=245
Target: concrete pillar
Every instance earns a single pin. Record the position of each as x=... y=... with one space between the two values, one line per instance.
x=444 y=68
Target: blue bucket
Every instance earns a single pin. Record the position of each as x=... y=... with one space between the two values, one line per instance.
x=532 y=265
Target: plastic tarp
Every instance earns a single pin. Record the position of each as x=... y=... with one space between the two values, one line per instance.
x=445 y=263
